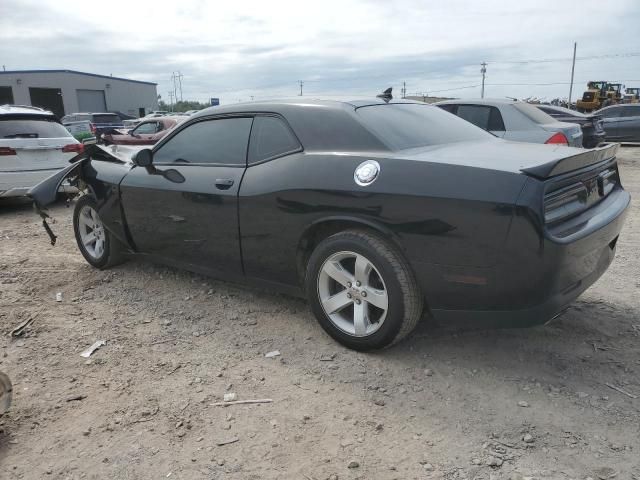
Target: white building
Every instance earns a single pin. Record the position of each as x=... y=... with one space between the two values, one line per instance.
x=67 y=91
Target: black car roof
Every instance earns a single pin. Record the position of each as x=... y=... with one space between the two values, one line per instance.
x=277 y=105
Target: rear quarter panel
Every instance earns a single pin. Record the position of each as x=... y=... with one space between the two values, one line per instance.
x=439 y=214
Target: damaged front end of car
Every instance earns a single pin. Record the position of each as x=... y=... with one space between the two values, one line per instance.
x=76 y=176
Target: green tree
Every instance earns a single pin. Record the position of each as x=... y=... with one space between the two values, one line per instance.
x=182 y=106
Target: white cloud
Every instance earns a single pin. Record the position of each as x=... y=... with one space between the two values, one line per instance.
x=243 y=48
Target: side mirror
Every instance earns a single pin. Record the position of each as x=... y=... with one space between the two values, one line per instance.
x=144 y=158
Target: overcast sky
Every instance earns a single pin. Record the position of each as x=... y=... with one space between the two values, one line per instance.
x=239 y=49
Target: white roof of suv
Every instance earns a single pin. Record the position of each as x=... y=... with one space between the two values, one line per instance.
x=23 y=109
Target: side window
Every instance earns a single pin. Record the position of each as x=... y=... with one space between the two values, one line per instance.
x=477 y=114
x=222 y=141
x=496 y=124
x=270 y=137
x=449 y=108
x=630 y=112
x=613 y=112
x=145 y=128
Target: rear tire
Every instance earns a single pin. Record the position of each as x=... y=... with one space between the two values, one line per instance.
x=362 y=291
x=97 y=245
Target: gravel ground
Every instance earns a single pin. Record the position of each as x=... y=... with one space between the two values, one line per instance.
x=445 y=404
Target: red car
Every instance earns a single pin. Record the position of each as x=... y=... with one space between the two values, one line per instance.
x=145 y=133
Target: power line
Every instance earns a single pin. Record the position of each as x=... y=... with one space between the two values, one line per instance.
x=565 y=59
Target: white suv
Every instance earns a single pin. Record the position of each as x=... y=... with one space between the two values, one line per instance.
x=33 y=146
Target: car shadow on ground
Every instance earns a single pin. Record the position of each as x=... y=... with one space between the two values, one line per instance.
x=592 y=342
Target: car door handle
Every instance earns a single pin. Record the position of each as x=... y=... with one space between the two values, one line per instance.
x=224 y=183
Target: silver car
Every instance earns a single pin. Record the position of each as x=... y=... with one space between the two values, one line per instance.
x=516 y=121
x=33 y=146
x=622 y=122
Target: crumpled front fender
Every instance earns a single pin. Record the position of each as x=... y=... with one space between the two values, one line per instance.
x=46 y=192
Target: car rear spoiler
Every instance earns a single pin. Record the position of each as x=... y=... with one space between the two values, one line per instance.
x=573 y=162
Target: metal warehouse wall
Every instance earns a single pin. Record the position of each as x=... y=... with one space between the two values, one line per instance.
x=120 y=95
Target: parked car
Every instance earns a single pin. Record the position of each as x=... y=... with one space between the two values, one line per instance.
x=516 y=121
x=621 y=122
x=156 y=114
x=145 y=133
x=376 y=211
x=33 y=145
x=592 y=124
x=99 y=123
x=129 y=124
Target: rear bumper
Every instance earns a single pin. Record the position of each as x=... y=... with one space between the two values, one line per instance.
x=18 y=184
x=556 y=271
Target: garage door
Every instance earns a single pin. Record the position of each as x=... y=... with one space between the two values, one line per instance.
x=91 y=101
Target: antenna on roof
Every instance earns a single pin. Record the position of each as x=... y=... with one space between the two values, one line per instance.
x=386 y=95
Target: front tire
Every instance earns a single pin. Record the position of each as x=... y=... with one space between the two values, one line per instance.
x=362 y=291
x=97 y=245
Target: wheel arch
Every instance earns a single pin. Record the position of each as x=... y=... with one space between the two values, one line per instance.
x=327 y=226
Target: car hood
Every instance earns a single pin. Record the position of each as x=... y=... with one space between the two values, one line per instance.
x=534 y=159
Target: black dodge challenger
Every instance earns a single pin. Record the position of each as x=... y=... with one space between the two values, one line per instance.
x=378 y=211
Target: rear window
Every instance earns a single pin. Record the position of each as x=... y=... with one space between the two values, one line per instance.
x=534 y=114
x=31 y=128
x=402 y=126
x=483 y=116
x=106 y=119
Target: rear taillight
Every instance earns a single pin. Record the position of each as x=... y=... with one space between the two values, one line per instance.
x=565 y=202
x=93 y=128
x=4 y=151
x=73 y=147
x=558 y=139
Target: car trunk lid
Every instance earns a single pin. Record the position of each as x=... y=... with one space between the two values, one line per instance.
x=571 y=131
x=31 y=154
x=573 y=160
x=536 y=160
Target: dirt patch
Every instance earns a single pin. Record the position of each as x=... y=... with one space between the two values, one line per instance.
x=443 y=404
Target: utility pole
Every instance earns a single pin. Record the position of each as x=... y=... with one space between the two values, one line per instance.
x=573 y=68
x=483 y=70
x=171 y=94
x=175 y=79
x=404 y=89
x=301 y=84
x=180 y=76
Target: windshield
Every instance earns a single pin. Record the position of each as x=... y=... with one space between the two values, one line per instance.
x=534 y=114
x=401 y=126
x=31 y=128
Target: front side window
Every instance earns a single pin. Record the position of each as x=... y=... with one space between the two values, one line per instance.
x=146 y=128
x=270 y=137
x=221 y=141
